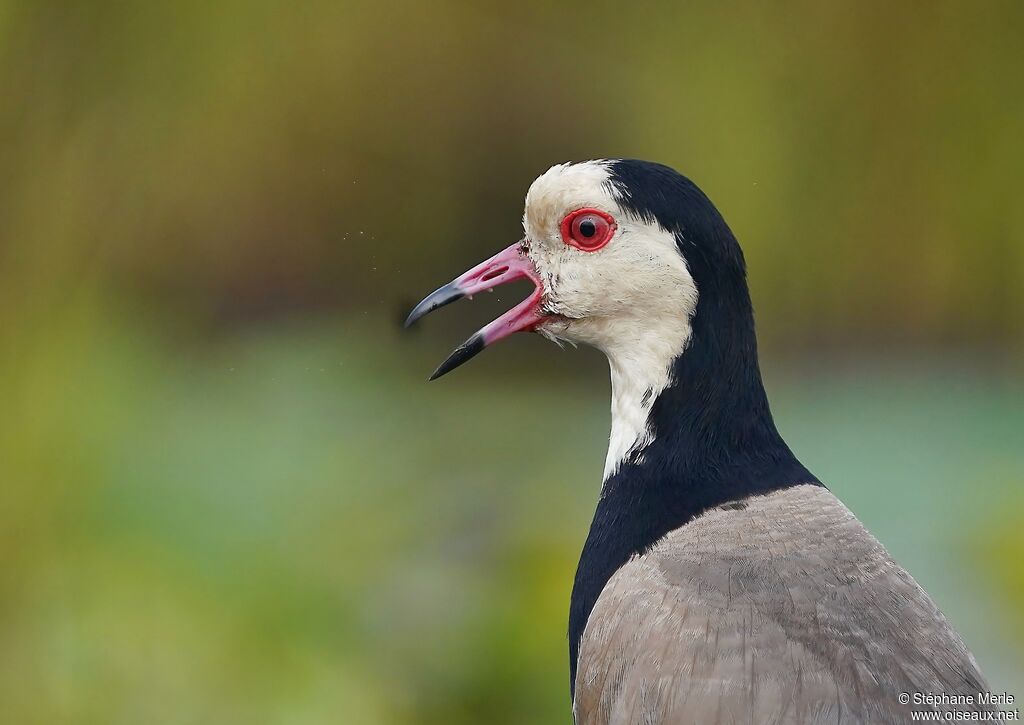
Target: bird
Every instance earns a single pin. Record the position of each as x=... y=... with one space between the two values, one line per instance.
x=721 y=581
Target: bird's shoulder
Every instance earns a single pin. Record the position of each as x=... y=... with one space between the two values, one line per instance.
x=777 y=608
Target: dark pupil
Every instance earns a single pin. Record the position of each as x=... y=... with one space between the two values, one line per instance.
x=588 y=228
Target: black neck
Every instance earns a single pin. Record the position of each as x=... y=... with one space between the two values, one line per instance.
x=714 y=442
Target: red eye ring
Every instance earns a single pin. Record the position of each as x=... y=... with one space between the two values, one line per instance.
x=588 y=229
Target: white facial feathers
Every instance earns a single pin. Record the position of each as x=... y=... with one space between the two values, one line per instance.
x=632 y=299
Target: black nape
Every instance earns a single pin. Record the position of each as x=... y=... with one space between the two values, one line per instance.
x=715 y=442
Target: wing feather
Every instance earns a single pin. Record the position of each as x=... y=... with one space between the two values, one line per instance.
x=785 y=611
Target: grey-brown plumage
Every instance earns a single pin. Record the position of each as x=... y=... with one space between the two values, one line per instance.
x=778 y=609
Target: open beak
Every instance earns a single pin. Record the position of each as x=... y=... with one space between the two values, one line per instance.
x=506 y=266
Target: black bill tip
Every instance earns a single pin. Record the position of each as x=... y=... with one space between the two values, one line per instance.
x=463 y=353
x=438 y=298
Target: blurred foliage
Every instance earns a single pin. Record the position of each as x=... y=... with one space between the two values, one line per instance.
x=225 y=492
x=250 y=158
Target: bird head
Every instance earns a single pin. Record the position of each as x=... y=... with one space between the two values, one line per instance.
x=604 y=247
x=632 y=258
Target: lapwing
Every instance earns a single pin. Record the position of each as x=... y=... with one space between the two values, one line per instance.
x=721 y=581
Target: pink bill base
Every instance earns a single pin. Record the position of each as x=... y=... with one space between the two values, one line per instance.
x=506 y=266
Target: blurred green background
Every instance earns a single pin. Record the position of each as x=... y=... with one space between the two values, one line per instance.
x=227 y=493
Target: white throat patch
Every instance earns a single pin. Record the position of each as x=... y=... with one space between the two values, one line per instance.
x=632 y=299
x=638 y=378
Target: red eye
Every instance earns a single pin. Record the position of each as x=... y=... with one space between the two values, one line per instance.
x=587 y=229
